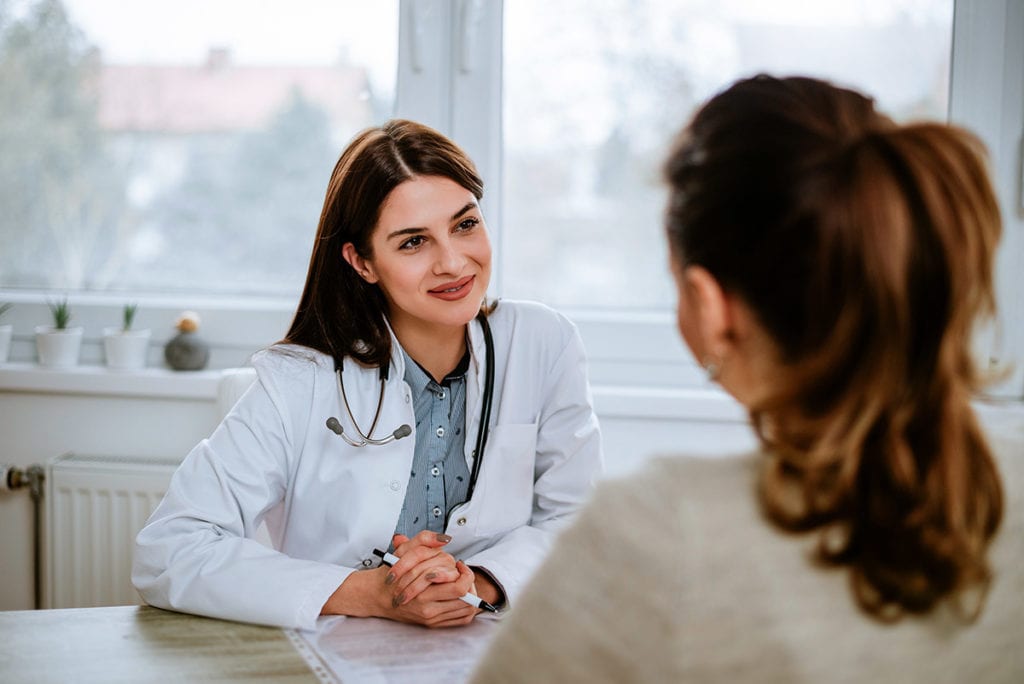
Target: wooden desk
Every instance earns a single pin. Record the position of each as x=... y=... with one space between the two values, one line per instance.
x=141 y=644
x=144 y=644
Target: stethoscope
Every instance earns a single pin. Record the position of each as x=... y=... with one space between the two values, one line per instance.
x=366 y=439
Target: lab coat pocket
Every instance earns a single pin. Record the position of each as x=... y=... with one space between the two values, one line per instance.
x=507 y=469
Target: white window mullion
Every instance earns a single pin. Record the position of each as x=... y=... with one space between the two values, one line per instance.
x=423 y=90
x=476 y=104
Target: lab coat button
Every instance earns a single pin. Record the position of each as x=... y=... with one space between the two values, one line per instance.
x=395 y=485
x=460 y=522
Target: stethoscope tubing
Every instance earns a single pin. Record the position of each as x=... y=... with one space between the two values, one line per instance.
x=404 y=430
x=485 y=406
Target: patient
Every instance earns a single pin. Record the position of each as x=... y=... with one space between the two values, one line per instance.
x=831 y=265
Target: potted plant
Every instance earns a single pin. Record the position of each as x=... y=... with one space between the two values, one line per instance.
x=124 y=346
x=58 y=345
x=5 y=333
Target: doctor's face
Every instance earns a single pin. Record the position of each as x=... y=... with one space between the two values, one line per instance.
x=431 y=255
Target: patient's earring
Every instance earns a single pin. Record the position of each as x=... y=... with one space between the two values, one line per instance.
x=712 y=366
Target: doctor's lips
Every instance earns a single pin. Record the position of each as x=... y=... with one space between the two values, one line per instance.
x=454 y=290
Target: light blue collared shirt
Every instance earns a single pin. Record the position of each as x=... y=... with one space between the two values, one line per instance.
x=439 y=479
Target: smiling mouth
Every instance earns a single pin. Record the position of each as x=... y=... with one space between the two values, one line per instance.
x=449 y=288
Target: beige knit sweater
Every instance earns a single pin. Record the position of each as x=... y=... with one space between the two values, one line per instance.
x=672 y=575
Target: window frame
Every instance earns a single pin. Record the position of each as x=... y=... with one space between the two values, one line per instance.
x=449 y=76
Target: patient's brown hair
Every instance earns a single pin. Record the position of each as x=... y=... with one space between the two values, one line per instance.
x=865 y=249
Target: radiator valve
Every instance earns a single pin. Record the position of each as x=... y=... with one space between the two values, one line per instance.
x=12 y=477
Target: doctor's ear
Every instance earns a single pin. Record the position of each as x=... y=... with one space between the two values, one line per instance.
x=363 y=267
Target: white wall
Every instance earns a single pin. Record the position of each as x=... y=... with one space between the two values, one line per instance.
x=44 y=414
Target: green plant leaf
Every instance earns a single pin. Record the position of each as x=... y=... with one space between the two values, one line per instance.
x=129 y=315
x=61 y=313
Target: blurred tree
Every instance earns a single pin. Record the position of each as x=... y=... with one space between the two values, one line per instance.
x=249 y=203
x=61 y=198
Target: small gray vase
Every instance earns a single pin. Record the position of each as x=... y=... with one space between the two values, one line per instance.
x=187 y=351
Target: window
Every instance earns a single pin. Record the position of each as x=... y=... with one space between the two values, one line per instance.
x=566 y=107
x=593 y=97
x=180 y=146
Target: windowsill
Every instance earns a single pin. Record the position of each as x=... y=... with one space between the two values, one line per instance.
x=157 y=383
x=610 y=401
x=662 y=403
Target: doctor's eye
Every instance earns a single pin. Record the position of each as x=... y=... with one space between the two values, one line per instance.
x=413 y=242
x=467 y=225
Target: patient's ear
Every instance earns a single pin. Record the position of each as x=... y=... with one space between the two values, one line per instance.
x=362 y=266
x=707 y=321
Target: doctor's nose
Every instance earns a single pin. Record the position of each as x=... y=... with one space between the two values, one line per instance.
x=449 y=258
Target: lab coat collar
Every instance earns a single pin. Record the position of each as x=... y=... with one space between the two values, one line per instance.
x=477 y=353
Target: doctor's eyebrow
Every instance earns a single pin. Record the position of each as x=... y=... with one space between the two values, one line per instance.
x=401 y=232
x=463 y=210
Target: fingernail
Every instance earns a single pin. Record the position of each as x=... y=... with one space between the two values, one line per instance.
x=400 y=600
x=431 y=575
x=444 y=538
x=395 y=602
x=390 y=578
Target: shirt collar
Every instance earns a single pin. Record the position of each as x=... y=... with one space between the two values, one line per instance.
x=419 y=379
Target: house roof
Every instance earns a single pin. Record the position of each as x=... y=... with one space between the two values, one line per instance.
x=219 y=96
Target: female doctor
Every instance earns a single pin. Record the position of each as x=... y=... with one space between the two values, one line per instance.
x=399 y=414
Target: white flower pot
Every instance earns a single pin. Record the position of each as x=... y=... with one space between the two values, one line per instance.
x=58 y=348
x=5 y=342
x=125 y=349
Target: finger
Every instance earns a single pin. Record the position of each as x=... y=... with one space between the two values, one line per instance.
x=412 y=584
x=412 y=559
x=426 y=538
x=440 y=561
x=456 y=617
x=428 y=611
x=436 y=592
x=459 y=622
x=466 y=580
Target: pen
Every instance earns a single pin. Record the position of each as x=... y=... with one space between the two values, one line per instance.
x=390 y=559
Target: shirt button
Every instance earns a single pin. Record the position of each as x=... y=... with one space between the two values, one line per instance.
x=395 y=485
x=440 y=432
x=367 y=562
x=435 y=471
x=441 y=395
x=436 y=511
x=460 y=522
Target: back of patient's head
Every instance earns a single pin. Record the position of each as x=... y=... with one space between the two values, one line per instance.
x=864 y=248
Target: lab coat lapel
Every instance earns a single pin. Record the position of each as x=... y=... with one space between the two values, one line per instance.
x=474 y=387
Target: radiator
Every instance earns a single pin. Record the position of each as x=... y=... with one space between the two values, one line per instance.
x=94 y=508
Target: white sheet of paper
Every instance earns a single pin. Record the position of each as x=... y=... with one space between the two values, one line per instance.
x=378 y=651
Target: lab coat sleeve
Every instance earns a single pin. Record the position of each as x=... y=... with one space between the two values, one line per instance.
x=197 y=553
x=568 y=463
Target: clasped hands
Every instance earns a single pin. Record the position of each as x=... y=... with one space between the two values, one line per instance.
x=424 y=587
x=425 y=584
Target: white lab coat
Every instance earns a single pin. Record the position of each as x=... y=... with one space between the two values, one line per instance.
x=327 y=504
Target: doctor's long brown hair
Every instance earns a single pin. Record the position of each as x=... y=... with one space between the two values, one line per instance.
x=865 y=249
x=340 y=314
